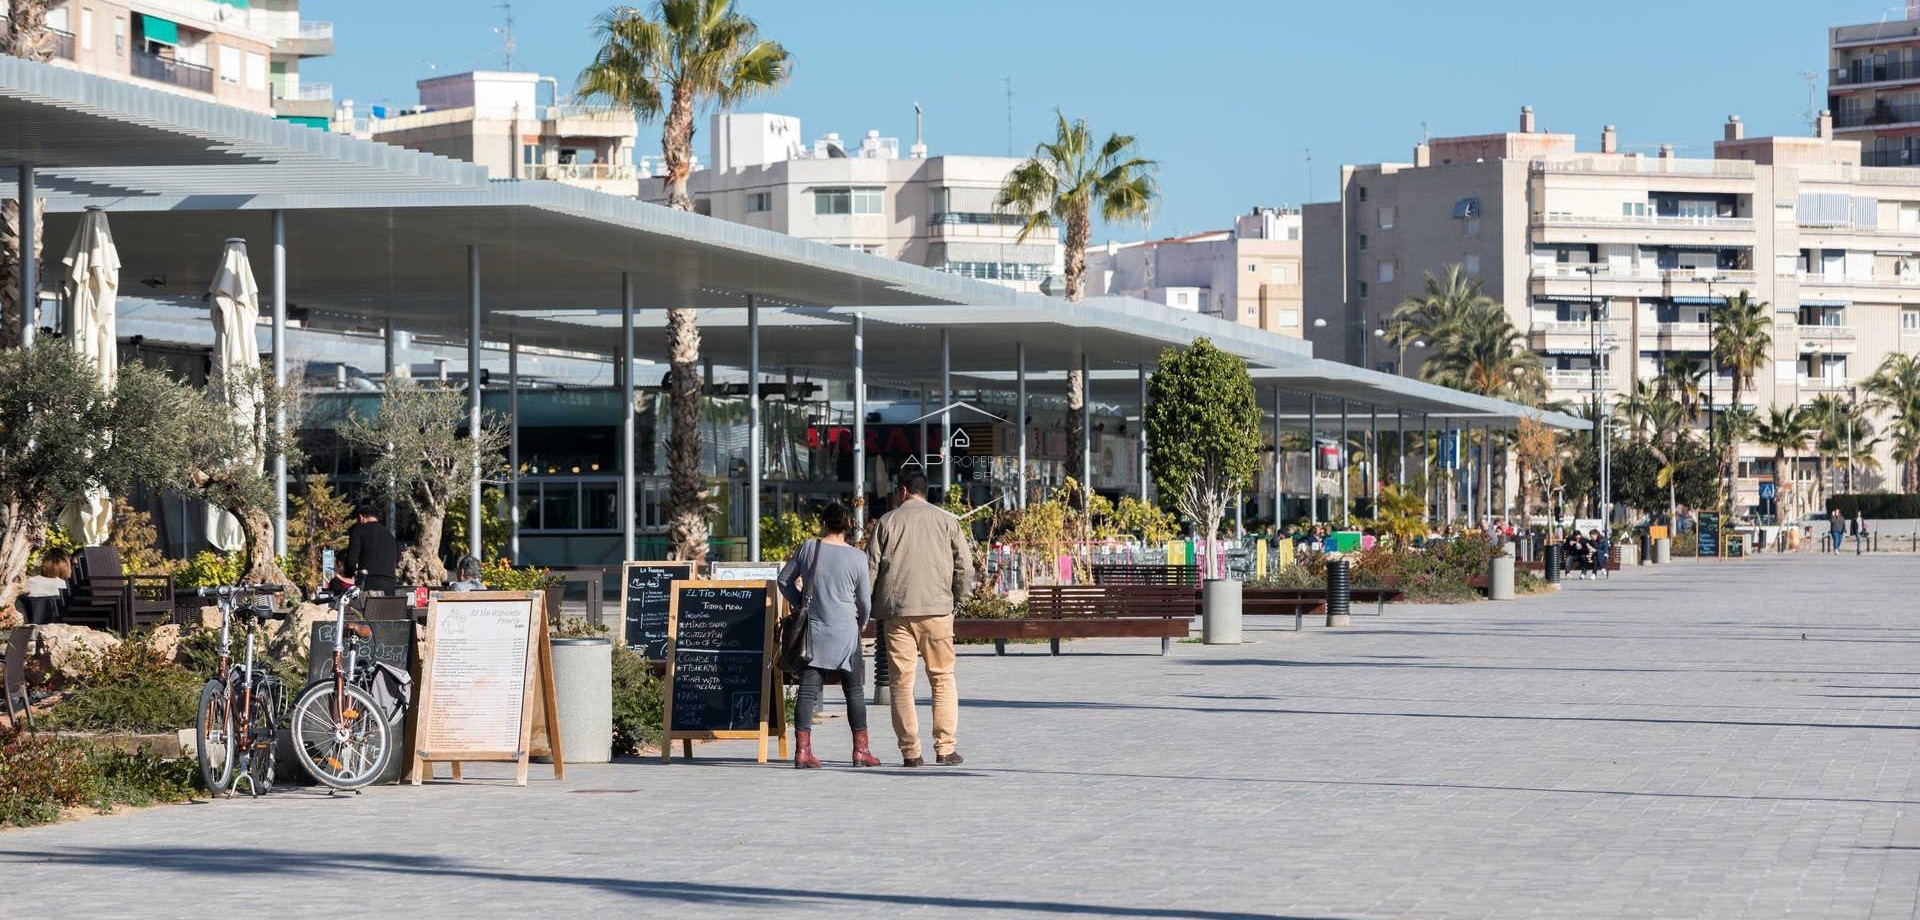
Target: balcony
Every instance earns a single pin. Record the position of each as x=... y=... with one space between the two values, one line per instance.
x=1826 y=340
x=1580 y=380
x=63 y=46
x=1833 y=384
x=313 y=38
x=588 y=121
x=1563 y=219
x=583 y=172
x=178 y=73
x=1865 y=72
x=1881 y=115
x=1645 y=166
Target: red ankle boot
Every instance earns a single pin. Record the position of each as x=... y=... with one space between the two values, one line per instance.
x=803 y=758
x=862 y=756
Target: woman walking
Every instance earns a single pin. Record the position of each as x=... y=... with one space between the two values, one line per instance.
x=835 y=595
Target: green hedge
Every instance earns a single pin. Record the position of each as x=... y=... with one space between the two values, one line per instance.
x=1878 y=505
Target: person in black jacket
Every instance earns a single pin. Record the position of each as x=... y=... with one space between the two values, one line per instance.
x=371 y=550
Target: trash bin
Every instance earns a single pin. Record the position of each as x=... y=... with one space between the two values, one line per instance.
x=583 y=690
x=1220 y=612
x=1500 y=575
x=1663 y=551
x=1553 y=563
x=1339 y=592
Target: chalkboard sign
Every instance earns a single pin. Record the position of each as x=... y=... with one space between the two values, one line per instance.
x=392 y=644
x=719 y=665
x=645 y=596
x=1709 y=531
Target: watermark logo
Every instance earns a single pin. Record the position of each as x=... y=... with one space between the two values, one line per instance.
x=955 y=453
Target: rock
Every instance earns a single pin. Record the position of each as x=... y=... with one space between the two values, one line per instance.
x=65 y=650
x=9 y=618
x=210 y=617
x=165 y=641
x=291 y=636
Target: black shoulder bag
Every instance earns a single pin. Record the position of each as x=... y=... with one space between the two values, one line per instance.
x=793 y=630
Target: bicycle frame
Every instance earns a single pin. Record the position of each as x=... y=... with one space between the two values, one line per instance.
x=226 y=597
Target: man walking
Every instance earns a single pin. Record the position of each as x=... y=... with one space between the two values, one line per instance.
x=1836 y=529
x=922 y=565
x=371 y=549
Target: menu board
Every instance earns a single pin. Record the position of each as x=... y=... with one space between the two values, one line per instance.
x=645 y=599
x=392 y=644
x=1709 y=531
x=486 y=684
x=719 y=668
x=477 y=679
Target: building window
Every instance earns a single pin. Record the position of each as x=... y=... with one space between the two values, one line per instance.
x=1363 y=289
x=1363 y=191
x=1910 y=322
x=872 y=249
x=1387 y=215
x=230 y=66
x=1363 y=241
x=86 y=28
x=1471 y=263
x=529 y=154
x=119 y=35
x=256 y=71
x=703 y=206
x=1284 y=274
x=758 y=202
x=847 y=200
x=1386 y=271
x=866 y=200
x=1633 y=209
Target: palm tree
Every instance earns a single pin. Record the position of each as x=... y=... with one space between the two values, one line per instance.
x=26 y=37
x=1742 y=343
x=1484 y=353
x=679 y=56
x=1450 y=301
x=1784 y=429
x=1823 y=414
x=1680 y=379
x=1065 y=179
x=1894 y=388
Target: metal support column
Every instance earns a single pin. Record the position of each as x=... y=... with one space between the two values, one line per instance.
x=279 y=342
x=1313 y=459
x=859 y=424
x=1142 y=436
x=629 y=519
x=946 y=412
x=30 y=266
x=473 y=398
x=1346 y=498
x=1020 y=418
x=1400 y=447
x=513 y=446
x=1086 y=428
x=753 y=428
x=392 y=360
x=1373 y=456
x=1279 y=469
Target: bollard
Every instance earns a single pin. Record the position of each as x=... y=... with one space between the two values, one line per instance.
x=1339 y=592
x=882 y=667
x=1500 y=575
x=1646 y=548
x=1219 y=613
x=1663 y=551
x=1553 y=563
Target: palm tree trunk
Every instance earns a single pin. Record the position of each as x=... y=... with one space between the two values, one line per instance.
x=11 y=298
x=27 y=36
x=676 y=148
x=687 y=491
x=1076 y=445
x=1079 y=229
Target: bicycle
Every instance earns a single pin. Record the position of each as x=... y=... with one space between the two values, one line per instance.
x=339 y=728
x=238 y=715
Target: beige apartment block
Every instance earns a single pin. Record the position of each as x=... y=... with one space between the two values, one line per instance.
x=242 y=53
x=1601 y=252
x=1873 y=88
x=494 y=119
x=1250 y=274
x=935 y=211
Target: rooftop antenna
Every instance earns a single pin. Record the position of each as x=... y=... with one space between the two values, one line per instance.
x=1813 y=97
x=1009 y=81
x=506 y=32
x=919 y=150
x=1307 y=156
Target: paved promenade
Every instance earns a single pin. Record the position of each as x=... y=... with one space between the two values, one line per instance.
x=1729 y=740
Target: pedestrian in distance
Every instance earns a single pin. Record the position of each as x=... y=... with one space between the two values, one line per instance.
x=827 y=582
x=1859 y=531
x=1836 y=529
x=921 y=561
x=372 y=554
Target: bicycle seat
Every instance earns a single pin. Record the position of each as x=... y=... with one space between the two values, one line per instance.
x=360 y=630
x=260 y=612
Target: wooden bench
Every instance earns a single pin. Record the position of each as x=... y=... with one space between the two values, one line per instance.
x=1097 y=611
x=1294 y=602
x=1122 y=574
x=1378 y=597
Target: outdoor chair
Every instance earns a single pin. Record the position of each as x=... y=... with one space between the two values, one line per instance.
x=13 y=677
x=105 y=597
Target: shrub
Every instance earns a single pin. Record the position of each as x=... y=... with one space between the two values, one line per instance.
x=199 y=656
x=42 y=774
x=500 y=575
x=131 y=688
x=781 y=534
x=1440 y=572
x=986 y=605
x=578 y=628
x=209 y=569
x=639 y=703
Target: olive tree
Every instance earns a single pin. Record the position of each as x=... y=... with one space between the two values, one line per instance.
x=230 y=446
x=418 y=451
x=1203 y=432
x=62 y=433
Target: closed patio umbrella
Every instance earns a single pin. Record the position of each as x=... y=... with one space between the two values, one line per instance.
x=236 y=354
x=93 y=284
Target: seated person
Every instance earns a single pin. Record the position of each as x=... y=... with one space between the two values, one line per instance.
x=466 y=575
x=45 y=599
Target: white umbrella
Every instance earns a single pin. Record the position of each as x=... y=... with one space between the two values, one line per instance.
x=236 y=353
x=93 y=284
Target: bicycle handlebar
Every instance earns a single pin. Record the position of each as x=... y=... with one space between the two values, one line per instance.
x=239 y=590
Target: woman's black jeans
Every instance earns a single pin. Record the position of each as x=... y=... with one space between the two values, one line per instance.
x=811 y=680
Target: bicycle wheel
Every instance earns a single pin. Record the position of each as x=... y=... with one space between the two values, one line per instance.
x=262 y=752
x=344 y=753
x=213 y=736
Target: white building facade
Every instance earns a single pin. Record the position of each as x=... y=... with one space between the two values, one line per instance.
x=1251 y=274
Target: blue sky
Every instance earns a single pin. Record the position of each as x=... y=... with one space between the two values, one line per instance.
x=1226 y=94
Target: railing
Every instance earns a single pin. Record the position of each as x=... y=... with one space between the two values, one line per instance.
x=308 y=92
x=1895 y=281
x=1566 y=327
x=1658 y=166
x=63 y=46
x=1718 y=276
x=1823 y=332
x=1563 y=219
x=1881 y=114
x=1867 y=71
x=179 y=73
x=1569 y=272
x=1569 y=379
x=564 y=172
x=1670 y=329
x=315 y=30
x=1821 y=383
x=1876 y=32
x=571 y=111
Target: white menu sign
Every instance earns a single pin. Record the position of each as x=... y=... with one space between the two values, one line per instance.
x=478 y=677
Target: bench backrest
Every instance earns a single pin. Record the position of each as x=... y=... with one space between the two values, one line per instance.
x=1114 y=601
x=1127 y=574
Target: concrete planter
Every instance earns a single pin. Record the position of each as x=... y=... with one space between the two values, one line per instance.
x=1220 y=612
x=1662 y=551
x=583 y=686
x=1500 y=574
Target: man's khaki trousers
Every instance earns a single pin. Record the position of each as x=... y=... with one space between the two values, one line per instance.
x=929 y=639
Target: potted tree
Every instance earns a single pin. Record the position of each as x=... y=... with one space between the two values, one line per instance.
x=418 y=451
x=1203 y=438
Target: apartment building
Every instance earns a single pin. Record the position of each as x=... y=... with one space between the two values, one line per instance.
x=935 y=211
x=495 y=119
x=1601 y=251
x=1873 y=87
x=1250 y=274
x=242 y=53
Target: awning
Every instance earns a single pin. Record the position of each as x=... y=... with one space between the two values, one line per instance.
x=1466 y=207
x=1826 y=303
x=1568 y=298
x=1699 y=301
x=159 y=30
